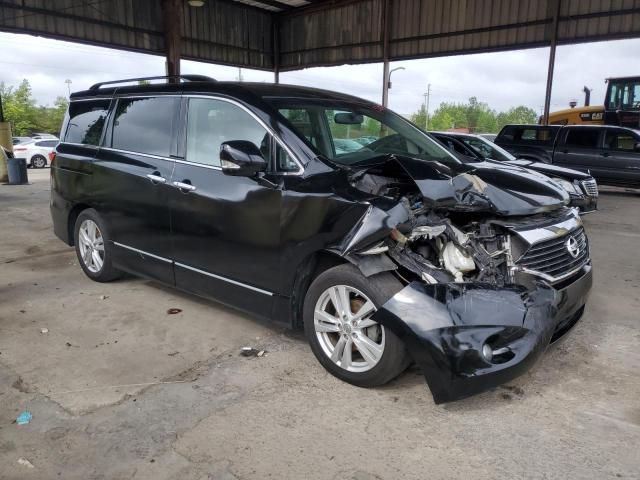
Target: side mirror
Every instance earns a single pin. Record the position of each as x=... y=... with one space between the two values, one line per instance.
x=241 y=158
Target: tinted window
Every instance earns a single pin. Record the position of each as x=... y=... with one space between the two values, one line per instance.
x=507 y=133
x=145 y=125
x=583 y=137
x=620 y=140
x=86 y=121
x=47 y=143
x=212 y=122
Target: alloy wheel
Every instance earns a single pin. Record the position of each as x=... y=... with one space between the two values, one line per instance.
x=345 y=331
x=39 y=162
x=91 y=245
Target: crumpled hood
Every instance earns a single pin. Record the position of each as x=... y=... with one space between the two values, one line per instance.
x=548 y=169
x=503 y=189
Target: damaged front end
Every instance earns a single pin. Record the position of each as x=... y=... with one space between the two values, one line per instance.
x=495 y=267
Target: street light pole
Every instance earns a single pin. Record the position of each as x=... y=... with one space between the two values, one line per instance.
x=427 y=97
x=385 y=93
x=68 y=82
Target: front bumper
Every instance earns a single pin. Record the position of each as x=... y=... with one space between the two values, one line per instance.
x=446 y=326
x=585 y=203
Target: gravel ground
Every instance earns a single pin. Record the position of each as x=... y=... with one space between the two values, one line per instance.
x=120 y=389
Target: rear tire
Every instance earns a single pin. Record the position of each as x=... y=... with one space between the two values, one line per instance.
x=38 y=161
x=345 y=341
x=94 y=247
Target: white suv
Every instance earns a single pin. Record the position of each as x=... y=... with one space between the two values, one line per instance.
x=37 y=152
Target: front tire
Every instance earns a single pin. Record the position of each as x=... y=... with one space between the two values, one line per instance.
x=93 y=247
x=337 y=322
x=38 y=161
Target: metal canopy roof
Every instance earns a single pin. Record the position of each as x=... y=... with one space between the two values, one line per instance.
x=294 y=34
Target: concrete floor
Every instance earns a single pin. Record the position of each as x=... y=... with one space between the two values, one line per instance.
x=120 y=389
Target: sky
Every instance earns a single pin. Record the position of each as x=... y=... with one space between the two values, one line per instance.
x=503 y=80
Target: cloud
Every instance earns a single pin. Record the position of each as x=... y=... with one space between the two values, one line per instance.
x=502 y=80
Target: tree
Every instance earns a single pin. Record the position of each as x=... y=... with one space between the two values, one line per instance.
x=420 y=117
x=474 y=115
x=25 y=116
x=19 y=107
x=519 y=114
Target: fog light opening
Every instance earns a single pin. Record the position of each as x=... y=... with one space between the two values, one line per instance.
x=496 y=355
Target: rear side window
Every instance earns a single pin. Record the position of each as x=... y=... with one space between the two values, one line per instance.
x=620 y=140
x=47 y=143
x=86 y=121
x=583 y=137
x=145 y=125
x=507 y=133
x=538 y=135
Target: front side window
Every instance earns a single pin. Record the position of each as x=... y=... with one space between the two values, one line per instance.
x=145 y=125
x=583 y=137
x=538 y=135
x=211 y=122
x=85 y=122
x=620 y=140
x=347 y=133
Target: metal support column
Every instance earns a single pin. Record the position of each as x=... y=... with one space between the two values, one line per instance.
x=173 y=18
x=386 y=13
x=5 y=141
x=552 y=61
x=276 y=51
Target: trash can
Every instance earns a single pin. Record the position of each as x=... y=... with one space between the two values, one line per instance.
x=17 y=170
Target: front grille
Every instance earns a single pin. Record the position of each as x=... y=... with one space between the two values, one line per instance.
x=553 y=257
x=590 y=187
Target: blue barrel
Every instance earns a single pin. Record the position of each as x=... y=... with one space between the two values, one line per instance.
x=17 y=171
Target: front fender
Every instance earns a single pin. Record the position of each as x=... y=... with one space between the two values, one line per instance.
x=446 y=326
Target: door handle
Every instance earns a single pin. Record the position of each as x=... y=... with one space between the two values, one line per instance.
x=156 y=178
x=185 y=187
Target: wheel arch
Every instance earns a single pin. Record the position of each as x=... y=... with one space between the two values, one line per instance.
x=71 y=221
x=310 y=268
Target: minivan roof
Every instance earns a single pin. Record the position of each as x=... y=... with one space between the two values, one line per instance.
x=259 y=89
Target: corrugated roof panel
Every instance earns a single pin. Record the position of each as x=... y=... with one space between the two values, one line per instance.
x=333 y=32
x=332 y=36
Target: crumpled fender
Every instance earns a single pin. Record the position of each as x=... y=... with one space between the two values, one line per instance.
x=444 y=327
x=375 y=225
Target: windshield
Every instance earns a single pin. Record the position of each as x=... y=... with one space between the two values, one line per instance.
x=348 y=133
x=624 y=94
x=487 y=149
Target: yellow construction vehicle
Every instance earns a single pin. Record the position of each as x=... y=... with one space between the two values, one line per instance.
x=621 y=106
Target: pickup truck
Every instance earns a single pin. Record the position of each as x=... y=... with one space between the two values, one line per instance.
x=610 y=154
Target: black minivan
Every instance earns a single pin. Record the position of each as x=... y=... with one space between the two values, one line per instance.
x=392 y=253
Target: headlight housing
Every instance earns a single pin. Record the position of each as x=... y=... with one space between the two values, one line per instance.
x=568 y=186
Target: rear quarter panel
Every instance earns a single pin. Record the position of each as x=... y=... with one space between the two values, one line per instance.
x=71 y=185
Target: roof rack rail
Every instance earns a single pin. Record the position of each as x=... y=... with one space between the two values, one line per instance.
x=189 y=78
